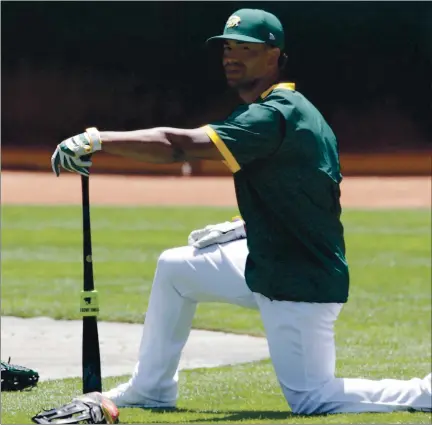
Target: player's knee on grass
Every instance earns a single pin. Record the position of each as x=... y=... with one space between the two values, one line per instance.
x=324 y=399
x=301 y=402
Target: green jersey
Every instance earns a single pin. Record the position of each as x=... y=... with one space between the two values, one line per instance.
x=286 y=172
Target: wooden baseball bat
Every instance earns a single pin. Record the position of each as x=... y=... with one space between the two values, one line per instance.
x=89 y=306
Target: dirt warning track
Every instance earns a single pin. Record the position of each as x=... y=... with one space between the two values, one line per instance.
x=45 y=188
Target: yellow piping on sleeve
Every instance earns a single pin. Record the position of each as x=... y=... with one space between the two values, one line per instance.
x=230 y=161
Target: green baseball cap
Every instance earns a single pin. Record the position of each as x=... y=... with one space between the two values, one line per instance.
x=253 y=26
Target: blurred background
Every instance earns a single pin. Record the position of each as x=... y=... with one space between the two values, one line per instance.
x=127 y=65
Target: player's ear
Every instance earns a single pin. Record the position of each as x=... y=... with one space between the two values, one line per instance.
x=274 y=54
x=282 y=61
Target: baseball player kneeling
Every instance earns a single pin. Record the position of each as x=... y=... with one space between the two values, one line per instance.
x=292 y=265
x=300 y=334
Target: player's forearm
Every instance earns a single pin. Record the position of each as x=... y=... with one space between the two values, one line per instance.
x=151 y=145
x=161 y=144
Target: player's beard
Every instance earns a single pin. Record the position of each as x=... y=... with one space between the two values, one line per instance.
x=243 y=85
x=246 y=85
x=237 y=77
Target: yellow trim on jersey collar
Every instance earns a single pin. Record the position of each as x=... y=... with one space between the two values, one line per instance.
x=286 y=86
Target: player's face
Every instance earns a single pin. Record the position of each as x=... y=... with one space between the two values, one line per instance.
x=245 y=63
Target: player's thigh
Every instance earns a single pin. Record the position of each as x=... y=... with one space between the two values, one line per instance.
x=301 y=341
x=212 y=274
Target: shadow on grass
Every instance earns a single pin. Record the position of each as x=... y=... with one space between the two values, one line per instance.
x=240 y=415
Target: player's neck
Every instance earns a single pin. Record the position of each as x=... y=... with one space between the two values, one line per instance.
x=250 y=92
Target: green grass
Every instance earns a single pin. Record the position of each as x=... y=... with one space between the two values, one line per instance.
x=246 y=393
x=383 y=331
x=41 y=256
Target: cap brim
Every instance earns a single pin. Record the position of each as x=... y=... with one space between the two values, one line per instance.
x=236 y=37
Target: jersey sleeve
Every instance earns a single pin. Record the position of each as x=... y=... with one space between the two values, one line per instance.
x=252 y=132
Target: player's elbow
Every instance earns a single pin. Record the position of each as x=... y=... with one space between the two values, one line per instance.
x=166 y=146
x=192 y=144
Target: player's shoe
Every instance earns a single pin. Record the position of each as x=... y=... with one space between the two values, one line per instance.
x=125 y=396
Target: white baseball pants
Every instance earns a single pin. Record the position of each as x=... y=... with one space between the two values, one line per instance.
x=300 y=338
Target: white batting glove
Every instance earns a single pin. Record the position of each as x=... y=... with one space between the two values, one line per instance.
x=217 y=233
x=69 y=153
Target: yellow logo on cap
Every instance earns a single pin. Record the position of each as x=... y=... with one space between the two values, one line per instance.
x=233 y=21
